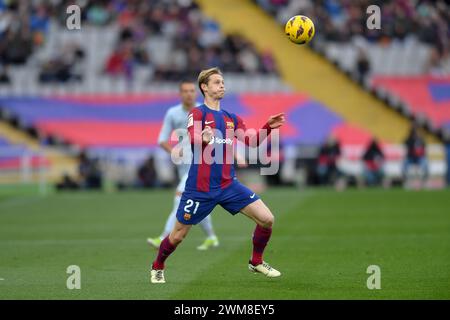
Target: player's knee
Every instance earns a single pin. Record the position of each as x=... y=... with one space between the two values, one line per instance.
x=268 y=221
x=178 y=237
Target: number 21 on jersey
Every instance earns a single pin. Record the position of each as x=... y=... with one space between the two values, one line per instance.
x=189 y=204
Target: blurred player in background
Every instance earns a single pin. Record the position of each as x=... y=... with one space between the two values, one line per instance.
x=176 y=118
x=415 y=155
x=212 y=183
x=327 y=168
x=373 y=161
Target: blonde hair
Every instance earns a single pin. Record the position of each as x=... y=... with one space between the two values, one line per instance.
x=204 y=76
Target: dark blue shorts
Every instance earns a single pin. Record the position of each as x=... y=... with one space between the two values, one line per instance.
x=195 y=205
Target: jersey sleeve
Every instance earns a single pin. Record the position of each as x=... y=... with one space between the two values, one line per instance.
x=251 y=139
x=194 y=126
x=166 y=129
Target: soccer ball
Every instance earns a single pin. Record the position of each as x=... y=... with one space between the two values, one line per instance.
x=300 y=29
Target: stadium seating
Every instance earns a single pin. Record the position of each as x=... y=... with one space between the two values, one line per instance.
x=399 y=61
x=427 y=97
x=134 y=121
x=16 y=156
x=125 y=128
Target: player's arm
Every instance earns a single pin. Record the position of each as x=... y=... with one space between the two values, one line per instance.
x=255 y=139
x=166 y=146
x=166 y=131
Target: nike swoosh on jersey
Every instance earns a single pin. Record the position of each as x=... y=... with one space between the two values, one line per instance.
x=252 y=196
x=208 y=122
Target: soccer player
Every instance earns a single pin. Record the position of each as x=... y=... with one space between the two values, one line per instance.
x=176 y=118
x=210 y=183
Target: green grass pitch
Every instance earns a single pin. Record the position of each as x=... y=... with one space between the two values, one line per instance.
x=323 y=241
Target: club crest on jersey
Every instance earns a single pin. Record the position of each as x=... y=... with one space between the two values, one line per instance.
x=230 y=125
x=187 y=216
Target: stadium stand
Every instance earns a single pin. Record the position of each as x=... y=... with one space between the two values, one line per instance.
x=25 y=160
x=20 y=163
x=109 y=99
x=427 y=97
x=142 y=43
x=412 y=47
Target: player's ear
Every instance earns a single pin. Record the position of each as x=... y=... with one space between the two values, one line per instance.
x=203 y=86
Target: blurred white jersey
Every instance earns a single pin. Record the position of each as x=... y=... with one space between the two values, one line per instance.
x=176 y=118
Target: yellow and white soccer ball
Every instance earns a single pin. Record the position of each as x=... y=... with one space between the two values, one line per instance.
x=300 y=29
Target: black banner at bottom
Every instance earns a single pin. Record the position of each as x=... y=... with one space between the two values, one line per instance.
x=221 y=309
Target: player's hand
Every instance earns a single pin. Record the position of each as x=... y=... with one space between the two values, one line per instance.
x=177 y=151
x=276 y=121
x=207 y=134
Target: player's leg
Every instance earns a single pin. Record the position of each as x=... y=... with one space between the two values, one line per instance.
x=167 y=247
x=238 y=198
x=170 y=223
x=261 y=214
x=405 y=170
x=423 y=164
x=193 y=208
x=211 y=238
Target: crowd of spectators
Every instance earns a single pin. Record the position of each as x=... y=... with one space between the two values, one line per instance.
x=414 y=165
x=196 y=42
x=22 y=29
x=340 y=20
x=89 y=177
x=65 y=65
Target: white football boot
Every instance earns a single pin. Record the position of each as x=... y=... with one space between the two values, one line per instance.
x=265 y=269
x=157 y=276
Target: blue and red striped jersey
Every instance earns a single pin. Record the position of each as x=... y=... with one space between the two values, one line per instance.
x=212 y=165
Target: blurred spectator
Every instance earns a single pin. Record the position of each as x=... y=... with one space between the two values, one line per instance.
x=373 y=160
x=23 y=25
x=272 y=6
x=435 y=64
x=276 y=156
x=327 y=169
x=98 y=13
x=4 y=76
x=39 y=19
x=415 y=155
x=447 y=152
x=90 y=174
x=67 y=183
x=147 y=176
x=17 y=46
x=120 y=63
x=362 y=65
x=65 y=66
